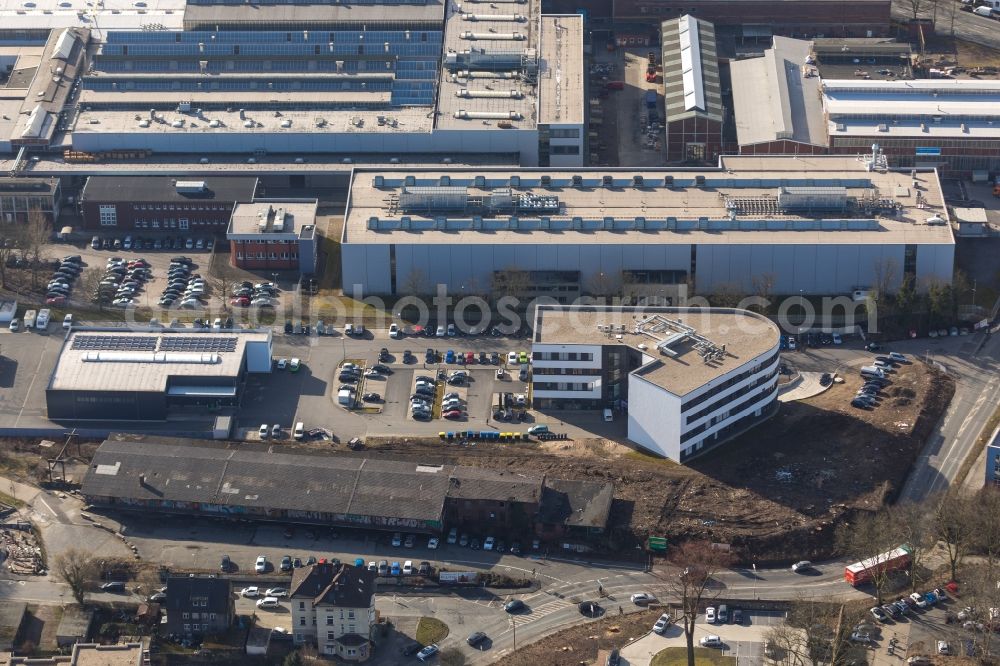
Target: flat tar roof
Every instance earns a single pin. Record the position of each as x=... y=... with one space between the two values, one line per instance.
x=560 y=72
x=744 y=334
x=278 y=217
x=774 y=99
x=162 y=188
x=144 y=361
x=682 y=213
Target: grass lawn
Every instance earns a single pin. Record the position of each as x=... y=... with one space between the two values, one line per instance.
x=677 y=656
x=10 y=500
x=430 y=630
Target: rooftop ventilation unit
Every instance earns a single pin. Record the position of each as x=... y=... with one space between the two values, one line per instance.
x=812 y=198
x=502 y=94
x=191 y=187
x=488 y=115
x=493 y=36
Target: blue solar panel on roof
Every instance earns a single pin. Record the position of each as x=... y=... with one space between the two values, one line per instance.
x=114 y=342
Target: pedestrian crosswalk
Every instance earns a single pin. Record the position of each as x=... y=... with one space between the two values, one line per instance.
x=541 y=610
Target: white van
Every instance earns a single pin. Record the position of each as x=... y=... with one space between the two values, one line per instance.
x=29 y=319
x=42 y=321
x=608 y=415
x=872 y=371
x=300 y=431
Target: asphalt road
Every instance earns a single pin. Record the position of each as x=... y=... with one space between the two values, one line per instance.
x=977 y=393
x=968 y=26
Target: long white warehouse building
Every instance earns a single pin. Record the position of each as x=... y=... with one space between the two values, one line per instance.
x=818 y=225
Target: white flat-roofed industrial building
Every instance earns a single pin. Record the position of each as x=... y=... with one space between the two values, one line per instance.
x=428 y=78
x=687 y=378
x=133 y=375
x=950 y=124
x=818 y=224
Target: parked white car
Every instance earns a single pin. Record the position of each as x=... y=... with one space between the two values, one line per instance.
x=250 y=592
x=260 y=566
x=268 y=602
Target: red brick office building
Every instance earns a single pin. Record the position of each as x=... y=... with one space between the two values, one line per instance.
x=162 y=204
x=277 y=235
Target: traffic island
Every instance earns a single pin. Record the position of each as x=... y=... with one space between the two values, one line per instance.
x=430 y=630
x=677 y=656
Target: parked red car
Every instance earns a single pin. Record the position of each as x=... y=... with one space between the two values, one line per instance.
x=241 y=301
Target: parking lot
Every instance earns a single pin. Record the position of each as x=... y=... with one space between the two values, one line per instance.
x=310 y=395
x=95 y=264
x=744 y=641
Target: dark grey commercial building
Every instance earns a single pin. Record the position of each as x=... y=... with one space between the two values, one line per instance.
x=251 y=481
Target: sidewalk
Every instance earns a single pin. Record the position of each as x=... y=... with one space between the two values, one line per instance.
x=19 y=491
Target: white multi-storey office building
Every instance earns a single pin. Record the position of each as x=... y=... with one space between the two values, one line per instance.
x=688 y=378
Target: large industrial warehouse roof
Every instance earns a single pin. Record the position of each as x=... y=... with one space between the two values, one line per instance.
x=743 y=335
x=777 y=97
x=140 y=468
x=733 y=204
x=144 y=361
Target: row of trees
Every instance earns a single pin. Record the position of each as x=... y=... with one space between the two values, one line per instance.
x=26 y=241
x=952 y=536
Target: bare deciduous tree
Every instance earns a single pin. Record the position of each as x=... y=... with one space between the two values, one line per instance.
x=90 y=286
x=986 y=528
x=11 y=234
x=222 y=280
x=763 y=288
x=913 y=525
x=916 y=7
x=886 y=271
x=77 y=570
x=786 y=645
x=697 y=562
x=605 y=284
x=415 y=283
x=37 y=233
x=868 y=538
x=511 y=281
x=726 y=295
x=954 y=523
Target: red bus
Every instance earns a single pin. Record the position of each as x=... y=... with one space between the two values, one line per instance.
x=861 y=572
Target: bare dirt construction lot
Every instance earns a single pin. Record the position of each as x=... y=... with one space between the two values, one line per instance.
x=775 y=490
x=972 y=60
x=580 y=644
